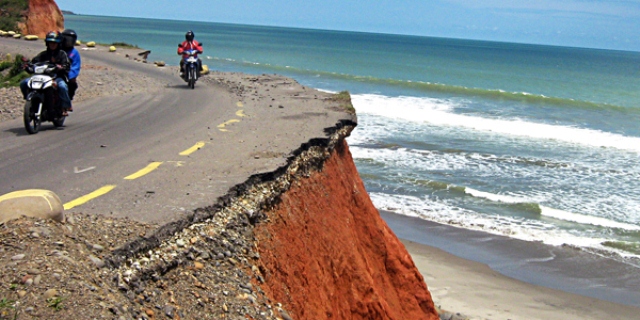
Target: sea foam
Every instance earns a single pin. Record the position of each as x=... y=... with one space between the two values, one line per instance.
x=439 y=112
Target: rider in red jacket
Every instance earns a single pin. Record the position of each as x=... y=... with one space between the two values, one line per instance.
x=189 y=44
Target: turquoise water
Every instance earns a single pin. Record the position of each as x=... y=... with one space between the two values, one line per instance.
x=532 y=142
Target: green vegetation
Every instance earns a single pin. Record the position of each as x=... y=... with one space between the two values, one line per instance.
x=55 y=303
x=125 y=45
x=120 y=44
x=6 y=306
x=344 y=99
x=15 y=74
x=11 y=13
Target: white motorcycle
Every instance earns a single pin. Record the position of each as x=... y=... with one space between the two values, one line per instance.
x=43 y=102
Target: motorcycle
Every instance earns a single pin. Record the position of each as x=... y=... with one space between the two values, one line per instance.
x=43 y=102
x=191 y=68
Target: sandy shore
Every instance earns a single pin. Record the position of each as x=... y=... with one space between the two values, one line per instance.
x=478 y=292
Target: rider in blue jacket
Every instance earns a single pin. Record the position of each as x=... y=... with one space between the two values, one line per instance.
x=68 y=45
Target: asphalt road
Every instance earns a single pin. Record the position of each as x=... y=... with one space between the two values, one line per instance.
x=157 y=155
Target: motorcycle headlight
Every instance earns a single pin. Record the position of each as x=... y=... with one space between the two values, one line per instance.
x=35 y=84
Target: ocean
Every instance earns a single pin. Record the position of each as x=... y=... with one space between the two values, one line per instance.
x=539 y=145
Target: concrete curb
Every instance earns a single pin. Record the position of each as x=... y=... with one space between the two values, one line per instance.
x=32 y=203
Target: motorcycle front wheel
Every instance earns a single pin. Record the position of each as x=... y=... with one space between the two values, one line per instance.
x=31 y=121
x=192 y=78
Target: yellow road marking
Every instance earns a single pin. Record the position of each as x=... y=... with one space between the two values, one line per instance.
x=224 y=130
x=23 y=193
x=152 y=166
x=90 y=196
x=193 y=149
x=240 y=113
x=239 y=104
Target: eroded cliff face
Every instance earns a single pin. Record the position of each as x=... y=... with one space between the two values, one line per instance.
x=42 y=17
x=326 y=253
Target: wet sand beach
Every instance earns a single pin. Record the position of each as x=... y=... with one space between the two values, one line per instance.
x=479 y=292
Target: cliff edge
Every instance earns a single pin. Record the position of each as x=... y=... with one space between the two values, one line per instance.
x=42 y=17
x=326 y=253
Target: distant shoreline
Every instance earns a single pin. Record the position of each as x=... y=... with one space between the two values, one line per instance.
x=67 y=12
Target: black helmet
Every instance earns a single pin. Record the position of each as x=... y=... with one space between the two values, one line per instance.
x=69 y=38
x=53 y=36
x=189 y=36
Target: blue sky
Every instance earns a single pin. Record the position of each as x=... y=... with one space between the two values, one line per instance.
x=608 y=24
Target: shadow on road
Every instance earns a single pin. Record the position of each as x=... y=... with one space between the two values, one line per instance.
x=21 y=131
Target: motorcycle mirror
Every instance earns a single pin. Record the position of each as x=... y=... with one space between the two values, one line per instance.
x=179 y=45
x=201 y=43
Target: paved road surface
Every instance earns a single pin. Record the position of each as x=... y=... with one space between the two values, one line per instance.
x=156 y=155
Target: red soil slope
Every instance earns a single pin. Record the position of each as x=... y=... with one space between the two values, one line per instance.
x=326 y=253
x=43 y=16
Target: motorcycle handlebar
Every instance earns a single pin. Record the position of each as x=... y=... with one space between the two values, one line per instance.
x=50 y=68
x=190 y=52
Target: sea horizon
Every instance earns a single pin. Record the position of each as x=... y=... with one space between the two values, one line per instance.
x=69 y=13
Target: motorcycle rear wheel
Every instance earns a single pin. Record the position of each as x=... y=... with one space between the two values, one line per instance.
x=31 y=121
x=59 y=122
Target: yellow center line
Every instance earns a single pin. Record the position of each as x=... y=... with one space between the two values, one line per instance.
x=193 y=149
x=152 y=166
x=86 y=198
x=240 y=113
x=239 y=104
x=220 y=126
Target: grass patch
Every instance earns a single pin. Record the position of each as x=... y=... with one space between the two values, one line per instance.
x=11 y=13
x=55 y=303
x=125 y=45
x=15 y=74
x=119 y=44
x=6 y=306
x=344 y=100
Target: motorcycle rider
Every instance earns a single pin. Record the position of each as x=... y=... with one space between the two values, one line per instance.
x=56 y=56
x=189 y=44
x=69 y=38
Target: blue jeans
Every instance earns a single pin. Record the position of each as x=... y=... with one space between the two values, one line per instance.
x=63 y=91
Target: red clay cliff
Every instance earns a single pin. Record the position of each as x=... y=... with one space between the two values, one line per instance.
x=42 y=17
x=327 y=254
